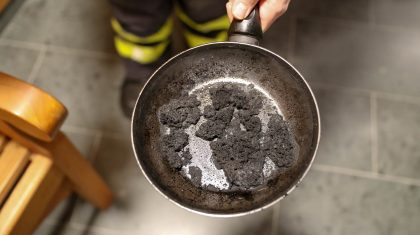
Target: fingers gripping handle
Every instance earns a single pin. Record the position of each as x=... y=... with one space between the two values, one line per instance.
x=247 y=30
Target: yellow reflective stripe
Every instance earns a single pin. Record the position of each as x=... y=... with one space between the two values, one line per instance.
x=159 y=36
x=221 y=23
x=140 y=54
x=194 y=40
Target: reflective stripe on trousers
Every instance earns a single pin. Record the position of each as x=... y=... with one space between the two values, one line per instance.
x=143 y=50
x=200 y=33
x=143 y=27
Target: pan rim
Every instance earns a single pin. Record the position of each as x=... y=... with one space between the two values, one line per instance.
x=234 y=214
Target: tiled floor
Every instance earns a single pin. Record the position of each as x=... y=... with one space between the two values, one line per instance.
x=362 y=58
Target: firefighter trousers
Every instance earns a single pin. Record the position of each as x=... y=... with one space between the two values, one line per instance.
x=143 y=27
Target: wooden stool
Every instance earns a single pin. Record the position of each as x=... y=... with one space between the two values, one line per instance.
x=39 y=166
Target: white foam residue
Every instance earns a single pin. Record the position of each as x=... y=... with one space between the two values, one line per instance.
x=269 y=167
x=202 y=158
x=266 y=112
x=205 y=99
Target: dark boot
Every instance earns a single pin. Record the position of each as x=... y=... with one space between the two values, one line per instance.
x=134 y=82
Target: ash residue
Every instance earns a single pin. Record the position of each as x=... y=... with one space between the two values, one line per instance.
x=277 y=143
x=234 y=130
x=217 y=121
x=195 y=173
x=241 y=153
x=180 y=112
x=177 y=115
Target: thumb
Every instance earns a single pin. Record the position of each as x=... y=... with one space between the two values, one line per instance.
x=242 y=8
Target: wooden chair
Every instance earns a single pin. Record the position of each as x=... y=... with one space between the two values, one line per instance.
x=3 y=4
x=39 y=166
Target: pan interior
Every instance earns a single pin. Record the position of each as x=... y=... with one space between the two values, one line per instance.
x=200 y=149
x=218 y=63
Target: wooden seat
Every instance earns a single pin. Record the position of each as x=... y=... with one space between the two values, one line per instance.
x=39 y=166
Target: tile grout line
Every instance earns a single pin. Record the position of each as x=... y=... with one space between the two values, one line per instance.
x=101 y=230
x=82 y=227
x=79 y=130
x=115 y=135
x=292 y=38
x=92 y=131
x=37 y=65
x=359 y=24
x=372 y=15
x=58 y=49
x=379 y=94
x=21 y=44
x=374 y=132
x=81 y=52
x=339 y=88
x=366 y=174
x=94 y=149
x=97 y=139
x=398 y=97
x=274 y=219
x=371 y=12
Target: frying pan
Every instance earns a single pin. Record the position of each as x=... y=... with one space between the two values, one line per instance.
x=240 y=59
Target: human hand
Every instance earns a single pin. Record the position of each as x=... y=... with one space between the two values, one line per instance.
x=270 y=10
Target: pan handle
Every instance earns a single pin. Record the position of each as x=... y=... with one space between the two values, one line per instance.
x=247 y=30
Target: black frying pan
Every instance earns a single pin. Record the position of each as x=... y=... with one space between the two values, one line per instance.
x=241 y=58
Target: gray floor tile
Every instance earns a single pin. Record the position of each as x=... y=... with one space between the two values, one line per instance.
x=59 y=212
x=357 y=10
x=402 y=13
x=138 y=208
x=337 y=204
x=277 y=36
x=47 y=228
x=398 y=138
x=88 y=87
x=17 y=62
x=358 y=56
x=76 y=24
x=83 y=142
x=345 y=129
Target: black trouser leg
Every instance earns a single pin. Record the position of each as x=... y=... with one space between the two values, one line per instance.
x=203 y=21
x=202 y=11
x=141 y=17
x=143 y=29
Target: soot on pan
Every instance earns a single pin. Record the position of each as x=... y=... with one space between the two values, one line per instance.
x=226 y=137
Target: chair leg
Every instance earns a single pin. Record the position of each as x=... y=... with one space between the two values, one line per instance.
x=27 y=203
x=82 y=176
x=62 y=193
x=13 y=161
x=85 y=180
x=3 y=141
